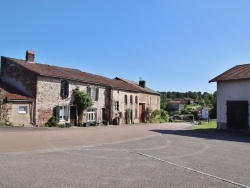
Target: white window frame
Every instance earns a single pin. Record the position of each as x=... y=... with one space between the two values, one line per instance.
x=91 y=115
x=22 y=109
x=62 y=113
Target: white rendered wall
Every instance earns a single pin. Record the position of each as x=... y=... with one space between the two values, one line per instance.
x=230 y=90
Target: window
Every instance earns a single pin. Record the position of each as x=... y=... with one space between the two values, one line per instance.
x=64 y=92
x=93 y=92
x=22 y=109
x=125 y=99
x=136 y=114
x=131 y=99
x=136 y=100
x=91 y=115
x=117 y=105
x=62 y=113
x=96 y=94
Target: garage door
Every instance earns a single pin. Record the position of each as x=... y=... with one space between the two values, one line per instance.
x=237 y=114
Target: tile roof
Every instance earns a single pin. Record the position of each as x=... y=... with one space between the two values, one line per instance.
x=12 y=93
x=145 y=90
x=207 y=108
x=238 y=72
x=72 y=74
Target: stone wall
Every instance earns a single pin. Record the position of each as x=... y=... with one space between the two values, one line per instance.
x=48 y=97
x=19 y=77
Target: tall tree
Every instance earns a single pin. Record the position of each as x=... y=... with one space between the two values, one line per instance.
x=83 y=101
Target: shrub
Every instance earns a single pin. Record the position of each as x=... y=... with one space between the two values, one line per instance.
x=61 y=125
x=159 y=116
x=2 y=124
x=52 y=122
x=9 y=124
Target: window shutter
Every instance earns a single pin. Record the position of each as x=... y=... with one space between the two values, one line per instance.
x=89 y=90
x=97 y=94
x=66 y=113
x=62 y=89
x=66 y=89
x=57 y=113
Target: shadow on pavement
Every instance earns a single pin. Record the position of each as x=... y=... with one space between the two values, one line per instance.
x=212 y=134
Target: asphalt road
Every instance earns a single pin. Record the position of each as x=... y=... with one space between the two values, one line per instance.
x=163 y=155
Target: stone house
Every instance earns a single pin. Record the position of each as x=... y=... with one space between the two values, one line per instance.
x=15 y=107
x=233 y=98
x=147 y=98
x=51 y=88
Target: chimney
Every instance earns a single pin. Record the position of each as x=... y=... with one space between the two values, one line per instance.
x=30 y=56
x=142 y=83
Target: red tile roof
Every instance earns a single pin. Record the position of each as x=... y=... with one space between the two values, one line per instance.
x=11 y=93
x=72 y=74
x=238 y=72
x=144 y=90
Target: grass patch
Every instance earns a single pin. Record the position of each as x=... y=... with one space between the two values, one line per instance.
x=205 y=125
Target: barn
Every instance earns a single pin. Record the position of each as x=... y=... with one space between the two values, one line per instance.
x=233 y=98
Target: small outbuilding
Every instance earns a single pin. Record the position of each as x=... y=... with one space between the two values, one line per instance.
x=205 y=113
x=233 y=98
x=15 y=108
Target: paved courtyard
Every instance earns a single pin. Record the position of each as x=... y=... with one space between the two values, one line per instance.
x=151 y=155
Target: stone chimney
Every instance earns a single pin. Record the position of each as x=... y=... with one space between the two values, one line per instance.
x=142 y=83
x=30 y=56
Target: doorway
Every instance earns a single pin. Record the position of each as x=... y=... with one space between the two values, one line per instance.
x=142 y=112
x=237 y=114
x=73 y=115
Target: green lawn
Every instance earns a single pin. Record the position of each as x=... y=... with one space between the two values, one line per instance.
x=204 y=125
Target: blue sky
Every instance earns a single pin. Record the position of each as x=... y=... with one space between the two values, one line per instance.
x=175 y=45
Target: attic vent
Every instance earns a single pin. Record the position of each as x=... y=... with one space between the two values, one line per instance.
x=30 y=56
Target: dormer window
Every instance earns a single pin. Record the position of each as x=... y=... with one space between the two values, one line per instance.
x=64 y=92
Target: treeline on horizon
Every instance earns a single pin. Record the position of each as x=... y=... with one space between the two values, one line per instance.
x=204 y=99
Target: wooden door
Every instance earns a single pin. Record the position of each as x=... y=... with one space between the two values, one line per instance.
x=141 y=112
x=237 y=114
x=73 y=115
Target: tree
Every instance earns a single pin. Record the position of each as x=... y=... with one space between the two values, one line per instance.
x=83 y=101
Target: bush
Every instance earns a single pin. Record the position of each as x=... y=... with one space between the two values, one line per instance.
x=159 y=116
x=9 y=124
x=2 y=124
x=61 y=125
x=52 y=122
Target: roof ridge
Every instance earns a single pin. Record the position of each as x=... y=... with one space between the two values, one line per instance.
x=43 y=64
x=235 y=73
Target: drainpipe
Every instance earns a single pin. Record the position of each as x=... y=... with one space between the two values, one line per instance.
x=32 y=113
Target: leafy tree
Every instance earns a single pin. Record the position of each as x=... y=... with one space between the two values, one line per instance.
x=83 y=101
x=213 y=112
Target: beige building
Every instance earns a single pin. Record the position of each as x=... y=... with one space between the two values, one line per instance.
x=147 y=98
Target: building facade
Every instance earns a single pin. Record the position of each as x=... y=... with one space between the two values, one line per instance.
x=233 y=99
x=51 y=87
